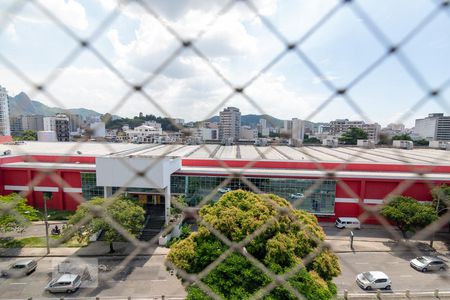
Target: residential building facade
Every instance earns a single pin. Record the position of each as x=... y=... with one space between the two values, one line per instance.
x=230 y=124
x=33 y=122
x=62 y=127
x=340 y=126
x=5 y=128
x=435 y=127
x=49 y=123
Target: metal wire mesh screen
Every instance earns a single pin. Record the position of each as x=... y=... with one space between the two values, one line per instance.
x=234 y=86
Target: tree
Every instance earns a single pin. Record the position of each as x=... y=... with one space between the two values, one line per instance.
x=282 y=246
x=27 y=135
x=422 y=142
x=441 y=198
x=402 y=137
x=106 y=118
x=408 y=214
x=15 y=213
x=353 y=135
x=124 y=211
x=311 y=140
x=384 y=139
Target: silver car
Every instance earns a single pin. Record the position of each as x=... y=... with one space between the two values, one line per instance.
x=373 y=280
x=66 y=283
x=428 y=263
x=20 y=268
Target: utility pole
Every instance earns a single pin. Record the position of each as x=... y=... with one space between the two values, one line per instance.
x=46 y=223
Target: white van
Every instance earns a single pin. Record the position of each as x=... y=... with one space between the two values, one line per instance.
x=347 y=223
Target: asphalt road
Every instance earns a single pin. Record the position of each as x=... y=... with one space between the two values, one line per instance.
x=395 y=265
x=142 y=277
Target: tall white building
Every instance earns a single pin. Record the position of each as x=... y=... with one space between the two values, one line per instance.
x=298 y=131
x=49 y=123
x=230 y=124
x=98 y=129
x=5 y=128
x=435 y=127
x=248 y=134
x=263 y=130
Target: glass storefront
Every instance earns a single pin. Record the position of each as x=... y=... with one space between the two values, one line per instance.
x=321 y=201
x=89 y=186
x=195 y=188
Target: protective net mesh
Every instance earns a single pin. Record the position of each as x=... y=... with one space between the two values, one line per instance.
x=230 y=174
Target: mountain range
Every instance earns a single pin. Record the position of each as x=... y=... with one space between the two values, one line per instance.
x=21 y=104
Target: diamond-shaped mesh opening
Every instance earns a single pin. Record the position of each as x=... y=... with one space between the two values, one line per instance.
x=314 y=60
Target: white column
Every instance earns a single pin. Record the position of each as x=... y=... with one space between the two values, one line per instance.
x=167 y=201
x=107 y=191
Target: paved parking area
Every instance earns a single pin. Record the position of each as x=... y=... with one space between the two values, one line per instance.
x=143 y=277
x=395 y=265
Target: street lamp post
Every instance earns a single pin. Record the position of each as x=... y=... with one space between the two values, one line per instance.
x=45 y=219
x=438 y=212
x=46 y=225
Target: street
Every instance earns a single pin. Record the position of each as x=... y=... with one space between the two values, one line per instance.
x=395 y=265
x=142 y=277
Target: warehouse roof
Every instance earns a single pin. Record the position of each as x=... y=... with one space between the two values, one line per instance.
x=422 y=156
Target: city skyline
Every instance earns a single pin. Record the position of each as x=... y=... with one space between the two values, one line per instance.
x=238 y=45
x=269 y=124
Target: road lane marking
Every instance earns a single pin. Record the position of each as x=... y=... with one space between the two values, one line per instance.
x=406 y=276
x=158 y=279
x=361 y=263
x=18 y=283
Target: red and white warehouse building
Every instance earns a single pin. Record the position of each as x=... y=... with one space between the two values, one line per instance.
x=342 y=180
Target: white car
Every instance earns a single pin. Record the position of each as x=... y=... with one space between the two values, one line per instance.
x=66 y=283
x=20 y=268
x=296 y=196
x=224 y=190
x=373 y=280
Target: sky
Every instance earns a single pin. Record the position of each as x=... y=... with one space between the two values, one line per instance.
x=238 y=45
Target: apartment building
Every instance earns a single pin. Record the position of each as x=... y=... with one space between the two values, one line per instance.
x=5 y=128
x=340 y=126
x=229 y=124
x=435 y=127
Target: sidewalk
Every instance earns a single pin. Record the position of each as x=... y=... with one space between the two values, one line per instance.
x=342 y=246
x=94 y=249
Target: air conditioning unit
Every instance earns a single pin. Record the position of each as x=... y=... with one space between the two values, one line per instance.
x=365 y=143
x=444 y=145
x=402 y=144
x=332 y=143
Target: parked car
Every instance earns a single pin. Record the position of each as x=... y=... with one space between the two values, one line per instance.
x=373 y=280
x=296 y=196
x=347 y=223
x=66 y=283
x=224 y=190
x=20 y=268
x=428 y=263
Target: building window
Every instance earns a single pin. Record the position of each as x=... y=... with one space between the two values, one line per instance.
x=89 y=186
x=320 y=202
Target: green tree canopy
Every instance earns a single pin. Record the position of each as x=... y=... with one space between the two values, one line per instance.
x=27 y=135
x=15 y=213
x=402 y=137
x=441 y=198
x=280 y=247
x=124 y=211
x=422 y=142
x=353 y=135
x=408 y=214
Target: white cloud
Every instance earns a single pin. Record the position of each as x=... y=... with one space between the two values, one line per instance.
x=70 y=12
x=11 y=32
